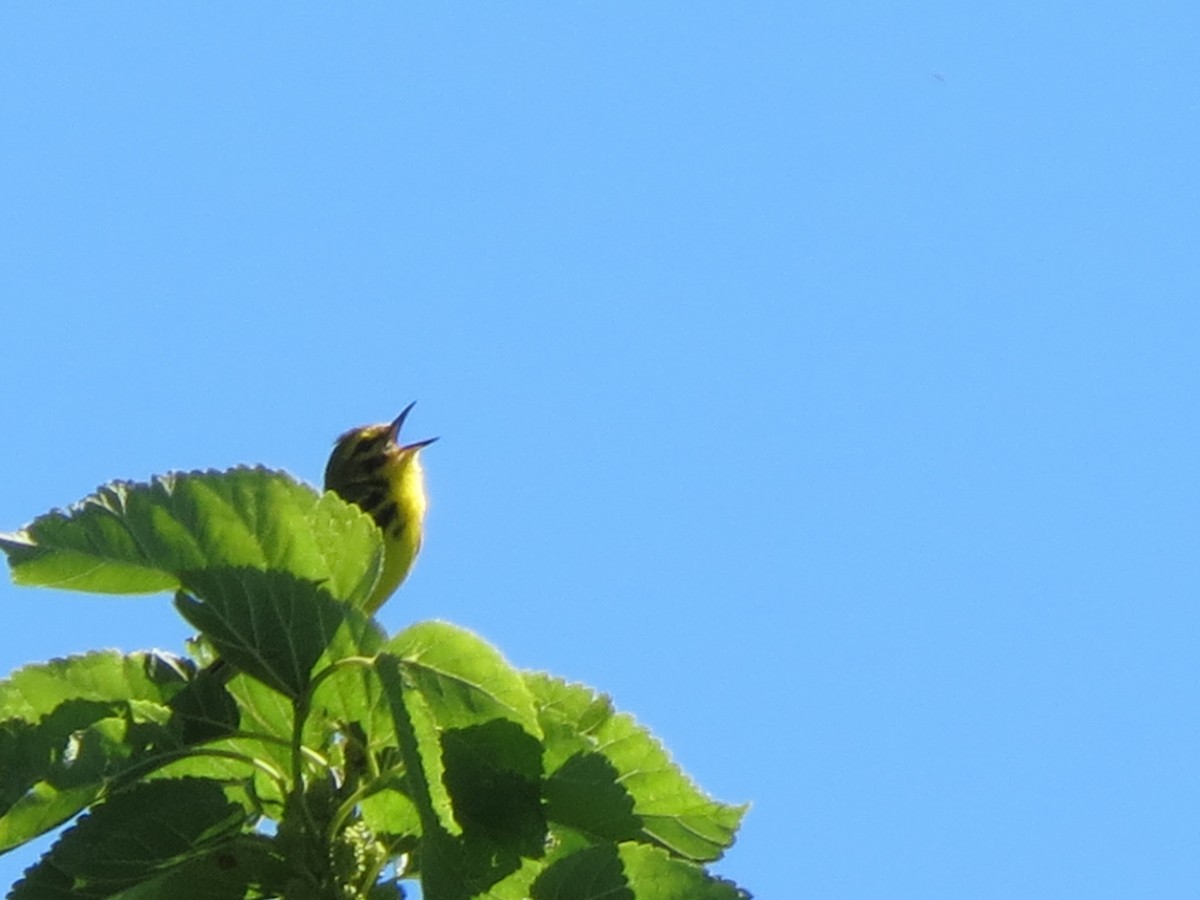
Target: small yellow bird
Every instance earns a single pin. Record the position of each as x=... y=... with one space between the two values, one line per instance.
x=371 y=469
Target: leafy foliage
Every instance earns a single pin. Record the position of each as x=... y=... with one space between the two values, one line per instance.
x=132 y=538
x=318 y=758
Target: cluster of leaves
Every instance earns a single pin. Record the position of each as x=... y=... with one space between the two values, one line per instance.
x=300 y=752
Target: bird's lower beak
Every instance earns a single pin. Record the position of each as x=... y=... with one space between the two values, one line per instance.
x=419 y=445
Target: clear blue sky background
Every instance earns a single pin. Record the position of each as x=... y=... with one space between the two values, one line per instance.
x=819 y=380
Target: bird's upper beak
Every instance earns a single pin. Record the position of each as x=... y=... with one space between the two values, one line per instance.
x=394 y=431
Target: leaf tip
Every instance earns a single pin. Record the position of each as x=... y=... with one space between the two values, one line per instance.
x=16 y=540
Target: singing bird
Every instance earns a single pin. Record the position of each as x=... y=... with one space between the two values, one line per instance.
x=370 y=468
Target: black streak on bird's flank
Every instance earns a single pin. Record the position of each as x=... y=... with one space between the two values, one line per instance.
x=373 y=498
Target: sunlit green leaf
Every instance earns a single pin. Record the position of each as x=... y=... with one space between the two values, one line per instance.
x=140 y=538
x=652 y=873
x=68 y=726
x=464 y=680
x=613 y=779
x=630 y=871
x=353 y=695
x=594 y=873
x=514 y=886
x=390 y=811
x=103 y=676
x=441 y=853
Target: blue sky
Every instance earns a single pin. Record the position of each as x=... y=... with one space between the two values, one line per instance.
x=819 y=382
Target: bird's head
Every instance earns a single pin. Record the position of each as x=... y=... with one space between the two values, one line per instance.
x=364 y=454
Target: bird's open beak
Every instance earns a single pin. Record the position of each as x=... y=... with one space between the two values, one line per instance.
x=394 y=431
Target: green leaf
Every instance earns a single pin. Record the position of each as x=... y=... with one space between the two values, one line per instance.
x=587 y=794
x=441 y=859
x=205 y=710
x=629 y=872
x=265 y=733
x=516 y=885
x=390 y=812
x=353 y=696
x=253 y=770
x=265 y=712
x=493 y=775
x=224 y=873
x=70 y=725
x=461 y=680
x=653 y=874
x=609 y=777
x=44 y=806
x=476 y=741
x=103 y=676
x=273 y=625
x=141 y=538
x=464 y=680
x=421 y=750
x=133 y=837
x=594 y=873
